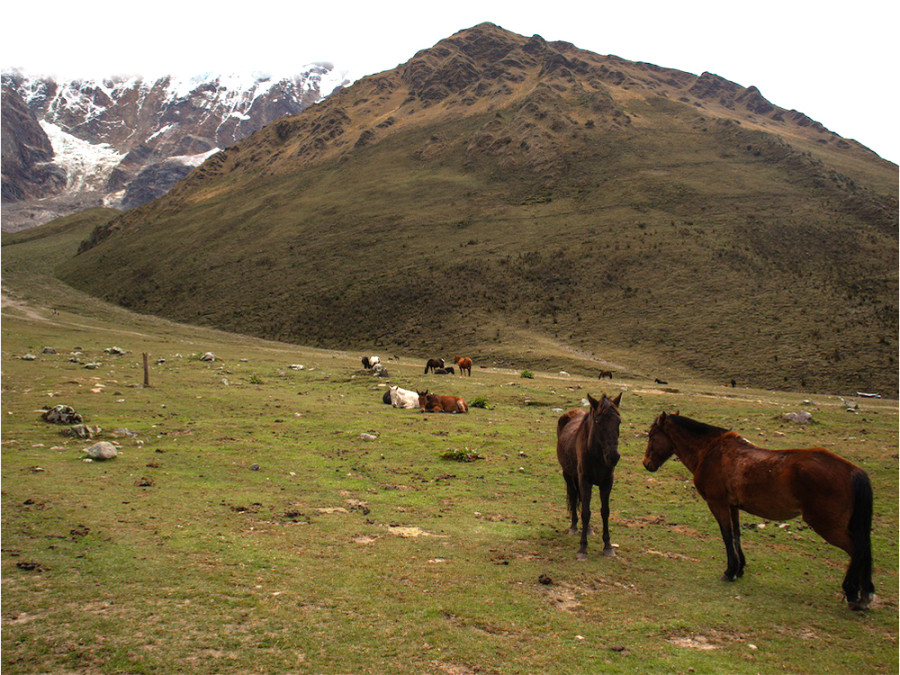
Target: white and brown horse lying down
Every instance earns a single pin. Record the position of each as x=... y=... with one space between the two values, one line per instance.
x=403 y=398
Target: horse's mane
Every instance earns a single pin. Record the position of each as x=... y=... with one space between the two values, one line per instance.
x=696 y=428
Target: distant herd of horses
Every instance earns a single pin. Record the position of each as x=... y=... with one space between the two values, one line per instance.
x=832 y=495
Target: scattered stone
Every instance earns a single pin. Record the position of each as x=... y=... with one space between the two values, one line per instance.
x=29 y=357
x=102 y=451
x=122 y=431
x=62 y=414
x=545 y=580
x=563 y=373
x=48 y=350
x=85 y=431
x=297 y=366
x=368 y=437
x=31 y=566
x=116 y=350
x=254 y=467
x=208 y=356
x=144 y=482
x=160 y=362
x=799 y=417
x=93 y=365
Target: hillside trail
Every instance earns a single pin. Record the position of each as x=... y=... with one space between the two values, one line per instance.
x=14 y=308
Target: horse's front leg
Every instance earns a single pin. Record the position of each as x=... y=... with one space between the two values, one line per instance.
x=722 y=513
x=605 y=489
x=585 y=488
x=736 y=534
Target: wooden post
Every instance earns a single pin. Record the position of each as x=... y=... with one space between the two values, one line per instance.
x=146 y=369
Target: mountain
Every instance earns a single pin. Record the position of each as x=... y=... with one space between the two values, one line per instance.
x=497 y=193
x=123 y=141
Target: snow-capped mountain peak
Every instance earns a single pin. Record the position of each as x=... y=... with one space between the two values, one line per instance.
x=107 y=132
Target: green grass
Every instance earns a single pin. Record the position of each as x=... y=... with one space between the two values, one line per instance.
x=340 y=554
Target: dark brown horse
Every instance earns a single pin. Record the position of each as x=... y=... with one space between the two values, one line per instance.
x=587 y=446
x=832 y=495
x=432 y=364
x=604 y=373
x=438 y=403
x=464 y=363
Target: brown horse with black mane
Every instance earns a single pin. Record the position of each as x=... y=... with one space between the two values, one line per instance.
x=587 y=447
x=832 y=495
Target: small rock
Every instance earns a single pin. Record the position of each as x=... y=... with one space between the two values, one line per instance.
x=799 y=417
x=62 y=414
x=297 y=366
x=254 y=467
x=29 y=357
x=102 y=451
x=208 y=356
x=48 y=350
x=368 y=437
x=545 y=580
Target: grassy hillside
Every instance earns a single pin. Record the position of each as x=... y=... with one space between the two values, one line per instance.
x=498 y=191
x=247 y=521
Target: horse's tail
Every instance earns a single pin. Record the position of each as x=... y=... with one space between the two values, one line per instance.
x=858 y=583
x=426 y=368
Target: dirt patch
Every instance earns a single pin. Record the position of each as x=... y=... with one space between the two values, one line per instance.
x=700 y=642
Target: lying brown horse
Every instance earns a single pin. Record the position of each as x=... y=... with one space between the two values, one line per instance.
x=587 y=447
x=832 y=495
x=464 y=363
x=438 y=403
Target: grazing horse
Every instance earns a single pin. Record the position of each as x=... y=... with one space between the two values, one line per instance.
x=464 y=363
x=434 y=363
x=587 y=446
x=437 y=403
x=604 y=373
x=832 y=495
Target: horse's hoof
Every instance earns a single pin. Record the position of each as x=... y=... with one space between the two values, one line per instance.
x=581 y=555
x=609 y=552
x=860 y=605
x=573 y=530
x=728 y=577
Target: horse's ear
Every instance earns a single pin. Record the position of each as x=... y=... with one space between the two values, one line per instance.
x=662 y=418
x=677 y=412
x=617 y=399
x=592 y=401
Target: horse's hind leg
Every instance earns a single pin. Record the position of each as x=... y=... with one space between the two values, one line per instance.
x=605 y=489
x=572 y=501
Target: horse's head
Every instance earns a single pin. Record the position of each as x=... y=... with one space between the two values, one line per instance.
x=659 y=447
x=604 y=426
x=423 y=398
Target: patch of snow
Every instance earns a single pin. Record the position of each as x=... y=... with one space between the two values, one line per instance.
x=195 y=160
x=160 y=132
x=87 y=165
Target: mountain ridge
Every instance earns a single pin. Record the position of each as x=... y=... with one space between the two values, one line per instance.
x=496 y=186
x=113 y=134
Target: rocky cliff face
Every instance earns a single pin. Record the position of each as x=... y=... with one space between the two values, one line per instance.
x=121 y=141
x=28 y=172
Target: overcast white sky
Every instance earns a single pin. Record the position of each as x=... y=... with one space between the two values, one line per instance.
x=835 y=61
